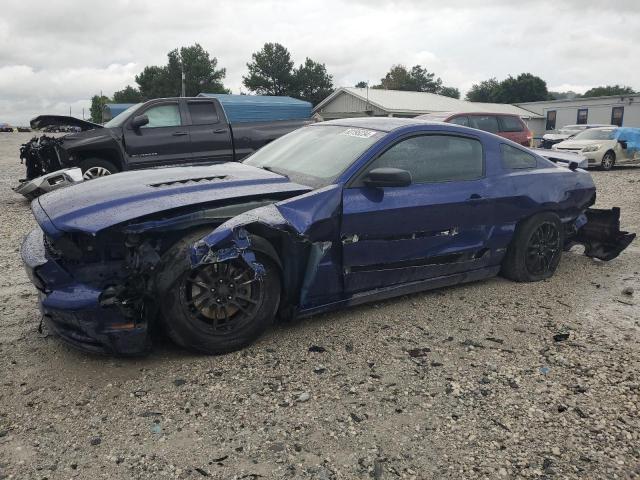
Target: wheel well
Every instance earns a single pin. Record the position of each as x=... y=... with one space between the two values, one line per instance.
x=611 y=152
x=109 y=155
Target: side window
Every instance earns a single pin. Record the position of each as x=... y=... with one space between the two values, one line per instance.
x=551 y=120
x=464 y=121
x=435 y=158
x=203 y=113
x=163 y=116
x=488 y=123
x=617 y=114
x=509 y=123
x=583 y=114
x=513 y=158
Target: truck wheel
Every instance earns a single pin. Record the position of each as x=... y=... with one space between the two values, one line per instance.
x=536 y=249
x=96 y=167
x=220 y=307
x=608 y=161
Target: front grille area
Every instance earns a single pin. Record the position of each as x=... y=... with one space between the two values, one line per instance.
x=52 y=252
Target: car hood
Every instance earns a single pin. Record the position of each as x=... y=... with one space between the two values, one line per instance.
x=43 y=121
x=98 y=204
x=576 y=144
x=556 y=136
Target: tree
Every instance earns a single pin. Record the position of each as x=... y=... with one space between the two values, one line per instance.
x=608 y=90
x=128 y=94
x=200 y=70
x=485 y=91
x=97 y=107
x=569 y=95
x=362 y=84
x=270 y=71
x=423 y=80
x=523 y=88
x=452 y=92
x=312 y=82
x=398 y=78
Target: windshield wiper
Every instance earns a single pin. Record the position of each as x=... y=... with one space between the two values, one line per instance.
x=273 y=170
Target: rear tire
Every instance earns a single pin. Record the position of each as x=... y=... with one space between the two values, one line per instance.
x=96 y=167
x=608 y=161
x=536 y=249
x=217 y=308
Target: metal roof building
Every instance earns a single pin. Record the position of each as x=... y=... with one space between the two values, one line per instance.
x=621 y=110
x=257 y=108
x=354 y=102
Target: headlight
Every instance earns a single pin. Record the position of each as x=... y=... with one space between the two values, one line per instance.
x=591 y=148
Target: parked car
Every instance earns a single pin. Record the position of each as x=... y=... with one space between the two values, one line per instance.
x=605 y=147
x=5 y=128
x=331 y=215
x=165 y=131
x=505 y=125
x=568 y=131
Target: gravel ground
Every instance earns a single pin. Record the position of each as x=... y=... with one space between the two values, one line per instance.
x=464 y=382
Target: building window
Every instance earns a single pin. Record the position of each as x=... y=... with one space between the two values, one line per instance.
x=551 y=120
x=583 y=114
x=617 y=114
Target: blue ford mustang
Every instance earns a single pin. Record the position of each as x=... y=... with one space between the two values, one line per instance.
x=334 y=214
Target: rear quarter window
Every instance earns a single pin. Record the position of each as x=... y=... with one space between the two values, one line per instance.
x=510 y=124
x=515 y=159
x=488 y=123
x=203 y=113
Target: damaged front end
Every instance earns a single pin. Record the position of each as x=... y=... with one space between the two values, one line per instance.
x=599 y=231
x=41 y=155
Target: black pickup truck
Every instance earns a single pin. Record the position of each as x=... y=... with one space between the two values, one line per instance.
x=166 y=131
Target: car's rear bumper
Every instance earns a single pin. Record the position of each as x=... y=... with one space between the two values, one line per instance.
x=72 y=310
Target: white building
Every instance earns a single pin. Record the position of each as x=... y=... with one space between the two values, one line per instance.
x=359 y=102
x=622 y=110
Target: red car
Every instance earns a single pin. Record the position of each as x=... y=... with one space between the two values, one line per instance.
x=504 y=124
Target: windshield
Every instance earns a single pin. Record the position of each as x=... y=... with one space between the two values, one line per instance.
x=120 y=119
x=596 y=134
x=315 y=155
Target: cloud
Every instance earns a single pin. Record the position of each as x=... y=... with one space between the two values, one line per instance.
x=58 y=54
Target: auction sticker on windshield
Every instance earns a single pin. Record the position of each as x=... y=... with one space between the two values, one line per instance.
x=359 y=132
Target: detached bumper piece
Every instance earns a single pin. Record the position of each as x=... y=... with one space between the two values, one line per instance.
x=601 y=235
x=51 y=181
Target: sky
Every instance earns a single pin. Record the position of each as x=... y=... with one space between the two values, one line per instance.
x=55 y=55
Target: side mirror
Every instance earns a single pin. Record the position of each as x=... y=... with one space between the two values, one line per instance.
x=623 y=144
x=139 y=121
x=387 y=177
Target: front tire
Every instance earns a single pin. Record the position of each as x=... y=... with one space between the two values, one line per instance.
x=608 y=161
x=217 y=308
x=96 y=167
x=536 y=249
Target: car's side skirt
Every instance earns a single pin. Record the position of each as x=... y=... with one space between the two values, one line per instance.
x=402 y=289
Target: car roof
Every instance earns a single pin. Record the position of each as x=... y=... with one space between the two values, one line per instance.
x=382 y=124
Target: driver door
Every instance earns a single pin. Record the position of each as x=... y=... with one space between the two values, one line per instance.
x=163 y=141
x=437 y=226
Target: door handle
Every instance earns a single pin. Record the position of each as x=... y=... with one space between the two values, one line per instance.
x=179 y=134
x=220 y=130
x=475 y=196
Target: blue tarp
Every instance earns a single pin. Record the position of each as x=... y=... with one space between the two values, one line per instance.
x=631 y=136
x=261 y=108
x=116 y=109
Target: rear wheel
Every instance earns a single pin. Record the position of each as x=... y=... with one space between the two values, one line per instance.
x=536 y=249
x=219 y=307
x=608 y=161
x=96 y=167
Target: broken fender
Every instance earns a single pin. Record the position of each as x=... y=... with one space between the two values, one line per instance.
x=601 y=234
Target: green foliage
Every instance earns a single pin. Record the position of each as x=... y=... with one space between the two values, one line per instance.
x=452 y=92
x=608 y=90
x=270 y=71
x=568 y=95
x=97 y=107
x=128 y=94
x=312 y=82
x=418 y=79
x=523 y=88
x=362 y=84
x=200 y=70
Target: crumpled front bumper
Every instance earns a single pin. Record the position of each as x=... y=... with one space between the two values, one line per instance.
x=72 y=310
